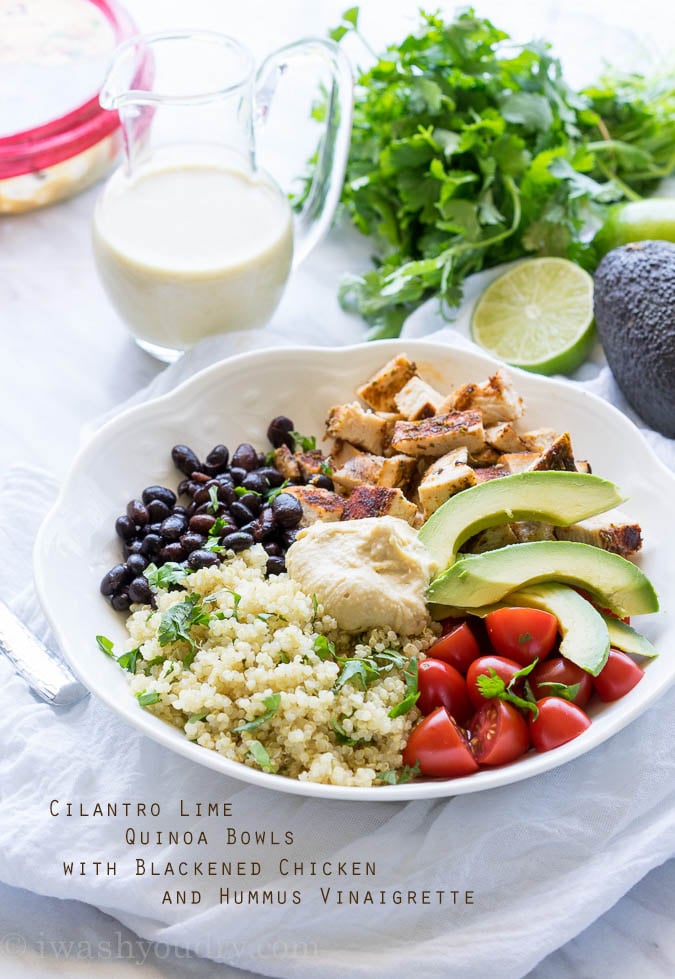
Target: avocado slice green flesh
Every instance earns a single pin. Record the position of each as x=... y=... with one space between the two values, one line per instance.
x=624 y=637
x=558 y=498
x=583 y=630
x=480 y=579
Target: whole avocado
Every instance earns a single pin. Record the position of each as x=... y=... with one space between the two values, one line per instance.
x=634 y=304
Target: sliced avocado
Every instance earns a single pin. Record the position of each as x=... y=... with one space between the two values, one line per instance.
x=585 y=636
x=624 y=637
x=558 y=498
x=480 y=579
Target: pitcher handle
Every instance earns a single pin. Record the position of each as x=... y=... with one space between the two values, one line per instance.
x=315 y=217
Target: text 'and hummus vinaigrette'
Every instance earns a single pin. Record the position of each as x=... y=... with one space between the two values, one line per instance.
x=186 y=250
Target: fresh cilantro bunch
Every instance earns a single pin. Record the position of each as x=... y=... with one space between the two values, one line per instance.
x=468 y=151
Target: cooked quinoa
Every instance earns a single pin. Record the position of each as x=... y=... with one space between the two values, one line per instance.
x=260 y=641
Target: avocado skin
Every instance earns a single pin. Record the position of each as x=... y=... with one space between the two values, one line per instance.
x=634 y=305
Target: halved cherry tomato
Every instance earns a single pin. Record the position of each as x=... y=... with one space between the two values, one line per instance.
x=522 y=634
x=499 y=733
x=457 y=646
x=441 y=685
x=558 y=722
x=619 y=675
x=561 y=670
x=504 y=668
x=440 y=747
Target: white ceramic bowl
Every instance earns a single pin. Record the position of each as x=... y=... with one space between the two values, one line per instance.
x=233 y=402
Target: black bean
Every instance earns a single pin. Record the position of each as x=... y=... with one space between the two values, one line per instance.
x=136 y=564
x=237 y=473
x=191 y=541
x=203 y=494
x=202 y=558
x=161 y=493
x=249 y=528
x=265 y=526
x=245 y=457
x=237 y=541
x=226 y=489
x=201 y=523
x=185 y=459
x=218 y=457
x=276 y=565
x=114 y=579
x=272 y=548
x=158 y=511
x=137 y=512
x=179 y=511
x=272 y=475
x=187 y=487
x=241 y=513
x=288 y=536
x=252 y=502
x=121 y=601
x=279 y=432
x=132 y=547
x=318 y=479
x=172 y=552
x=287 y=510
x=200 y=477
x=151 y=546
x=139 y=590
x=262 y=459
x=173 y=527
x=152 y=528
x=208 y=508
x=125 y=528
x=255 y=482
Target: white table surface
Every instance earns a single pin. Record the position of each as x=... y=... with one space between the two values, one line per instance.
x=66 y=358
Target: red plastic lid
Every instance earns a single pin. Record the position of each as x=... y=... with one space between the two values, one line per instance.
x=39 y=51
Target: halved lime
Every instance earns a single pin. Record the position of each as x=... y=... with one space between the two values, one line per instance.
x=538 y=315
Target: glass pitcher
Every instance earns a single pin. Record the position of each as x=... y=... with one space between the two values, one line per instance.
x=191 y=236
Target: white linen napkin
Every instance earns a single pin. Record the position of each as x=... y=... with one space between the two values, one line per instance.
x=542 y=858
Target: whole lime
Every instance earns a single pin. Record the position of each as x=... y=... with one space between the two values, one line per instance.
x=652 y=219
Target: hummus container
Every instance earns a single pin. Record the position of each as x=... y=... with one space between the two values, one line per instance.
x=55 y=139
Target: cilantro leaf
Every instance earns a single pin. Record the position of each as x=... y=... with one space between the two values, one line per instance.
x=105 y=645
x=412 y=693
x=306 y=442
x=260 y=756
x=398 y=777
x=567 y=691
x=271 y=707
x=170 y=573
x=147 y=697
x=128 y=660
x=178 y=621
x=341 y=735
x=324 y=648
x=492 y=685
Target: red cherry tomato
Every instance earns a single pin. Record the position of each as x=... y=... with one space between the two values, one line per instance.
x=560 y=670
x=522 y=634
x=504 y=668
x=441 y=685
x=499 y=733
x=619 y=675
x=558 y=722
x=440 y=747
x=457 y=646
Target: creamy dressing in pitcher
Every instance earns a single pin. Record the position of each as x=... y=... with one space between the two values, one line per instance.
x=188 y=250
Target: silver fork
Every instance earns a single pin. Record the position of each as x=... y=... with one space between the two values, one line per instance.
x=43 y=669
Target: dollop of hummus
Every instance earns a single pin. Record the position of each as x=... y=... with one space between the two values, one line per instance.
x=366 y=573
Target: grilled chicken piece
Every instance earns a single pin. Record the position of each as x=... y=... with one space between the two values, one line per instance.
x=437 y=435
x=389 y=418
x=529 y=530
x=486 y=473
x=374 y=470
x=490 y=539
x=310 y=462
x=317 y=504
x=487 y=456
x=538 y=439
x=504 y=438
x=612 y=531
x=583 y=466
x=286 y=463
x=351 y=423
x=445 y=477
x=517 y=462
x=558 y=455
x=417 y=399
x=378 y=501
x=379 y=391
x=495 y=398
x=341 y=452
